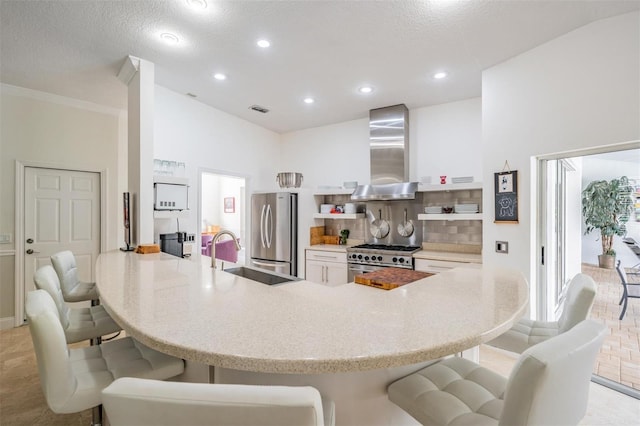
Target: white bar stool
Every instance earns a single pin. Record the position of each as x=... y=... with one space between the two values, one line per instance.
x=549 y=385
x=73 y=290
x=78 y=324
x=576 y=308
x=73 y=379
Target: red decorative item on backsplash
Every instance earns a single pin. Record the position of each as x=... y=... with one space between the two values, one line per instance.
x=443 y=179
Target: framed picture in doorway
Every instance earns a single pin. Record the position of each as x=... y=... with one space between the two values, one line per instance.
x=229 y=205
x=506 y=197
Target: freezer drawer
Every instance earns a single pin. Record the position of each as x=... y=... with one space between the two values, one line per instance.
x=280 y=267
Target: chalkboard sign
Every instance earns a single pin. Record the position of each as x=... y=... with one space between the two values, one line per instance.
x=506 y=193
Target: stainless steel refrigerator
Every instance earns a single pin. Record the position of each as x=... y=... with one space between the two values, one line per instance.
x=274 y=229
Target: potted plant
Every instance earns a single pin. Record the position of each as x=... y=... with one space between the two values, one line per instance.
x=607 y=206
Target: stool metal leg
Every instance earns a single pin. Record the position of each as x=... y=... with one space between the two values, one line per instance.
x=96 y=416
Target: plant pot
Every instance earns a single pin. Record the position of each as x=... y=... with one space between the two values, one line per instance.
x=606 y=261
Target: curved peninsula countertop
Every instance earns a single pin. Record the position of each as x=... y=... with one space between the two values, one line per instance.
x=186 y=309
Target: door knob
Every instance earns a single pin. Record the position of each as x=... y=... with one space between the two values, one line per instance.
x=30 y=251
x=29 y=240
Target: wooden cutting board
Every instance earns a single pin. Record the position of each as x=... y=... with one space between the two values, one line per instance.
x=148 y=248
x=390 y=278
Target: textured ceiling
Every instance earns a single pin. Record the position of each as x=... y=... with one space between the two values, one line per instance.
x=324 y=49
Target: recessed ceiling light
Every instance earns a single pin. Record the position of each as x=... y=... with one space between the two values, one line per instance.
x=308 y=100
x=365 y=89
x=440 y=75
x=170 y=39
x=264 y=43
x=197 y=4
x=219 y=76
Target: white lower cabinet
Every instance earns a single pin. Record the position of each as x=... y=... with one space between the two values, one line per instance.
x=326 y=267
x=436 y=266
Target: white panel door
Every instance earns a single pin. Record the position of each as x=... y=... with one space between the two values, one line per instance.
x=62 y=212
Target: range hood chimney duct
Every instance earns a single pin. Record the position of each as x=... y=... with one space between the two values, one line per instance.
x=389 y=156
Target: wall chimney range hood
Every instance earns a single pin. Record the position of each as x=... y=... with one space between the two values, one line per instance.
x=389 y=156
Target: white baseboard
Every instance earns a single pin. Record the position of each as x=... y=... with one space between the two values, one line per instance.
x=6 y=323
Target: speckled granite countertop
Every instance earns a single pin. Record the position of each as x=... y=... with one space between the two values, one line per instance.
x=184 y=308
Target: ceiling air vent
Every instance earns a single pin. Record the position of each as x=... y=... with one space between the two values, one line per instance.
x=259 y=108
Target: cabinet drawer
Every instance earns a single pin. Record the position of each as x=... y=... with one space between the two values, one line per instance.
x=435 y=266
x=327 y=256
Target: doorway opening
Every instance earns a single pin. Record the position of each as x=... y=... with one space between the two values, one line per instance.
x=565 y=250
x=222 y=207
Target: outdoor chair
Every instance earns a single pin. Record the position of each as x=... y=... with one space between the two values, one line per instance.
x=629 y=289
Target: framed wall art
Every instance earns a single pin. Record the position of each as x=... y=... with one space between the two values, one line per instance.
x=506 y=196
x=229 y=205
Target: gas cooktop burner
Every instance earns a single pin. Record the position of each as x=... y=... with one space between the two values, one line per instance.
x=388 y=247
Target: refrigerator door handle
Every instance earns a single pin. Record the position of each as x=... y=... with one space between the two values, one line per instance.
x=262 y=223
x=269 y=226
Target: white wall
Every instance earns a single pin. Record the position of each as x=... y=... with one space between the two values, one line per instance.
x=44 y=129
x=577 y=91
x=207 y=139
x=447 y=140
x=215 y=188
x=443 y=139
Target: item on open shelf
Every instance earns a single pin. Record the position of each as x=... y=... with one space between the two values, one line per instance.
x=462 y=179
x=466 y=208
x=447 y=209
x=326 y=208
x=433 y=210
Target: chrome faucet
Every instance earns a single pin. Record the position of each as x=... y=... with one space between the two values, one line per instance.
x=213 y=245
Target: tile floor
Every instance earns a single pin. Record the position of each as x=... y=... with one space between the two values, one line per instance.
x=619 y=358
x=22 y=402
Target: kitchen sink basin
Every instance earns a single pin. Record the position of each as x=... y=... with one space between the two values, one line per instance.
x=263 y=277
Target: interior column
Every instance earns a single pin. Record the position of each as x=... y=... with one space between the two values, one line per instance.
x=138 y=75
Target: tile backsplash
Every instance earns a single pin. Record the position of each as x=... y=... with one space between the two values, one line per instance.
x=454 y=231
x=467 y=232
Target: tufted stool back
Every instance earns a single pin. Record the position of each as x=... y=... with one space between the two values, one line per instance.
x=73 y=290
x=578 y=302
x=56 y=377
x=45 y=278
x=150 y=402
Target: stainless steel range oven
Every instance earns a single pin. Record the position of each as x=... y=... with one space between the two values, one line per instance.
x=372 y=257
